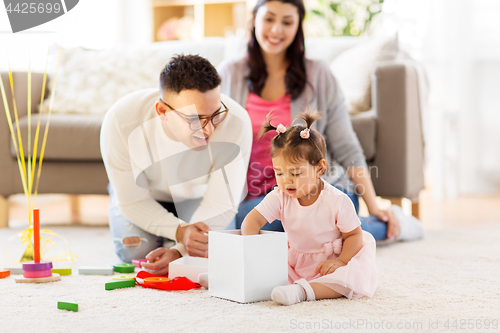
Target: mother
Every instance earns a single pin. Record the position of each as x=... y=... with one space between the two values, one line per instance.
x=276 y=75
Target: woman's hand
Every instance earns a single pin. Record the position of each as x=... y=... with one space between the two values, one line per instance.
x=159 y=259
x=382 y=215
x=329 y=266
x=388 y=216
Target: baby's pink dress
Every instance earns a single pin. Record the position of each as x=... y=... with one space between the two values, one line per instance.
x=314 y=235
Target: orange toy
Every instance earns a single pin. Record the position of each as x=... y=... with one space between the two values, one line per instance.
x=4 y=273
x=156 y=279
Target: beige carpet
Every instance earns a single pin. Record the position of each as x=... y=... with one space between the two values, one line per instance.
x=449 y=275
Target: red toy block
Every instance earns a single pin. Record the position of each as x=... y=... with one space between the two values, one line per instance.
x=4 y=273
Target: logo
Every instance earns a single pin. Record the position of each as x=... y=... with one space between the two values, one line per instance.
x=26 y=14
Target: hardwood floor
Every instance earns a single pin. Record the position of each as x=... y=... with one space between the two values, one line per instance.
x=463 y=212
x=57 y=209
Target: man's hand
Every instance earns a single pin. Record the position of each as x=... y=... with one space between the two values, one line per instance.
x=195 y=238
x=328 y=266
x=159 y=259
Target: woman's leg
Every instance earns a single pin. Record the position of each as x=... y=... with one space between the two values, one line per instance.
x=371 y=224
x=245 y=208
x=131 y=242
x=374 y=226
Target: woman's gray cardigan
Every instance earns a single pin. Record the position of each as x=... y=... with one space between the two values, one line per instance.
x=322 y=93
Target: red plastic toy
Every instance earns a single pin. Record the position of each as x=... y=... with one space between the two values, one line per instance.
x=178 y=283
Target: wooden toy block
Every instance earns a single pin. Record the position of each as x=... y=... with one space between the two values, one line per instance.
x=54 y=277
x=15 y=270
x=124 y=268
x=4 y=273
x=95 y=270
x=69 y=304
x=119 y=284
x=62 y=271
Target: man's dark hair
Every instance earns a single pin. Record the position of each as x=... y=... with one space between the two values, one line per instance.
x=189 y=72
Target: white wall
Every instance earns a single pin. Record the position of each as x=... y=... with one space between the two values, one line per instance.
x=94 y=24
x=458 y=41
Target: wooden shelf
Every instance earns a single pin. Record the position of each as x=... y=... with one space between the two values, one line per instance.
x=211 y=17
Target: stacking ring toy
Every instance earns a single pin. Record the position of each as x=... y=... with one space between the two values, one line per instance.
x=124 y=268
x=37 y=274
x=156 y=279
x=124 y=277
x=37 y=266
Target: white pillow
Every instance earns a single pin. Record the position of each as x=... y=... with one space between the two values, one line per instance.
x=353 y=69
x=90 y=82
x=328 y=48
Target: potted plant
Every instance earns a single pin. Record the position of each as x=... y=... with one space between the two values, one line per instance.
x=340 y=17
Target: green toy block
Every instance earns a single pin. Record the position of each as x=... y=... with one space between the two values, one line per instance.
x=69 y=304
x=62 y=271
x=119 y=284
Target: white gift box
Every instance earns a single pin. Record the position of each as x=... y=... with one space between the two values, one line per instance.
x=189 y=267
x=246 y=268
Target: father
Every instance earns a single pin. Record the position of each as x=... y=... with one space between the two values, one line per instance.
x=176 y=164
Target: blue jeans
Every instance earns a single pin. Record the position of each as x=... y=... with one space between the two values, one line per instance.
x=122 y=228
x=371 y=224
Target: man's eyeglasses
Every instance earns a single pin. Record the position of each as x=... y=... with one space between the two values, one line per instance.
x=198 y=122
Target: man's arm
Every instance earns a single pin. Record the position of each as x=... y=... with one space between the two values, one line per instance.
x=226 y=185
x=135 y=202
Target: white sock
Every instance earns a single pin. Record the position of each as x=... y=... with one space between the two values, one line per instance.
x=298 y=292
x=410 y=227
x=288 y=295
x=203 y=280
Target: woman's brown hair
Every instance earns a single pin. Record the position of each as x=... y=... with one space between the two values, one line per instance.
x=295 y=77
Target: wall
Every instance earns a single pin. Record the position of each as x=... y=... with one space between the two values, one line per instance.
x=459 y=45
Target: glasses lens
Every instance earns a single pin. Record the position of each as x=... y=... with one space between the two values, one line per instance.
x=199 y=124
x=219 y=117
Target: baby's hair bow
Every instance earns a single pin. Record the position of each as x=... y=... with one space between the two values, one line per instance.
x=304 y=134
x=281 y=129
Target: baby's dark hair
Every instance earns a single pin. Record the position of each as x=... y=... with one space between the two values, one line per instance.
x=294 y=144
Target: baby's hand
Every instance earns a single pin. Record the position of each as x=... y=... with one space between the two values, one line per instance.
x=329 y=266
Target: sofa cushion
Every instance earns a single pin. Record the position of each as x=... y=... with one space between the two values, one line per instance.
x=365 y=126
x=70 y=137
x=76 y=137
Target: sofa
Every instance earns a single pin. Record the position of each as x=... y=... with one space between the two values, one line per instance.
x=390 y=132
